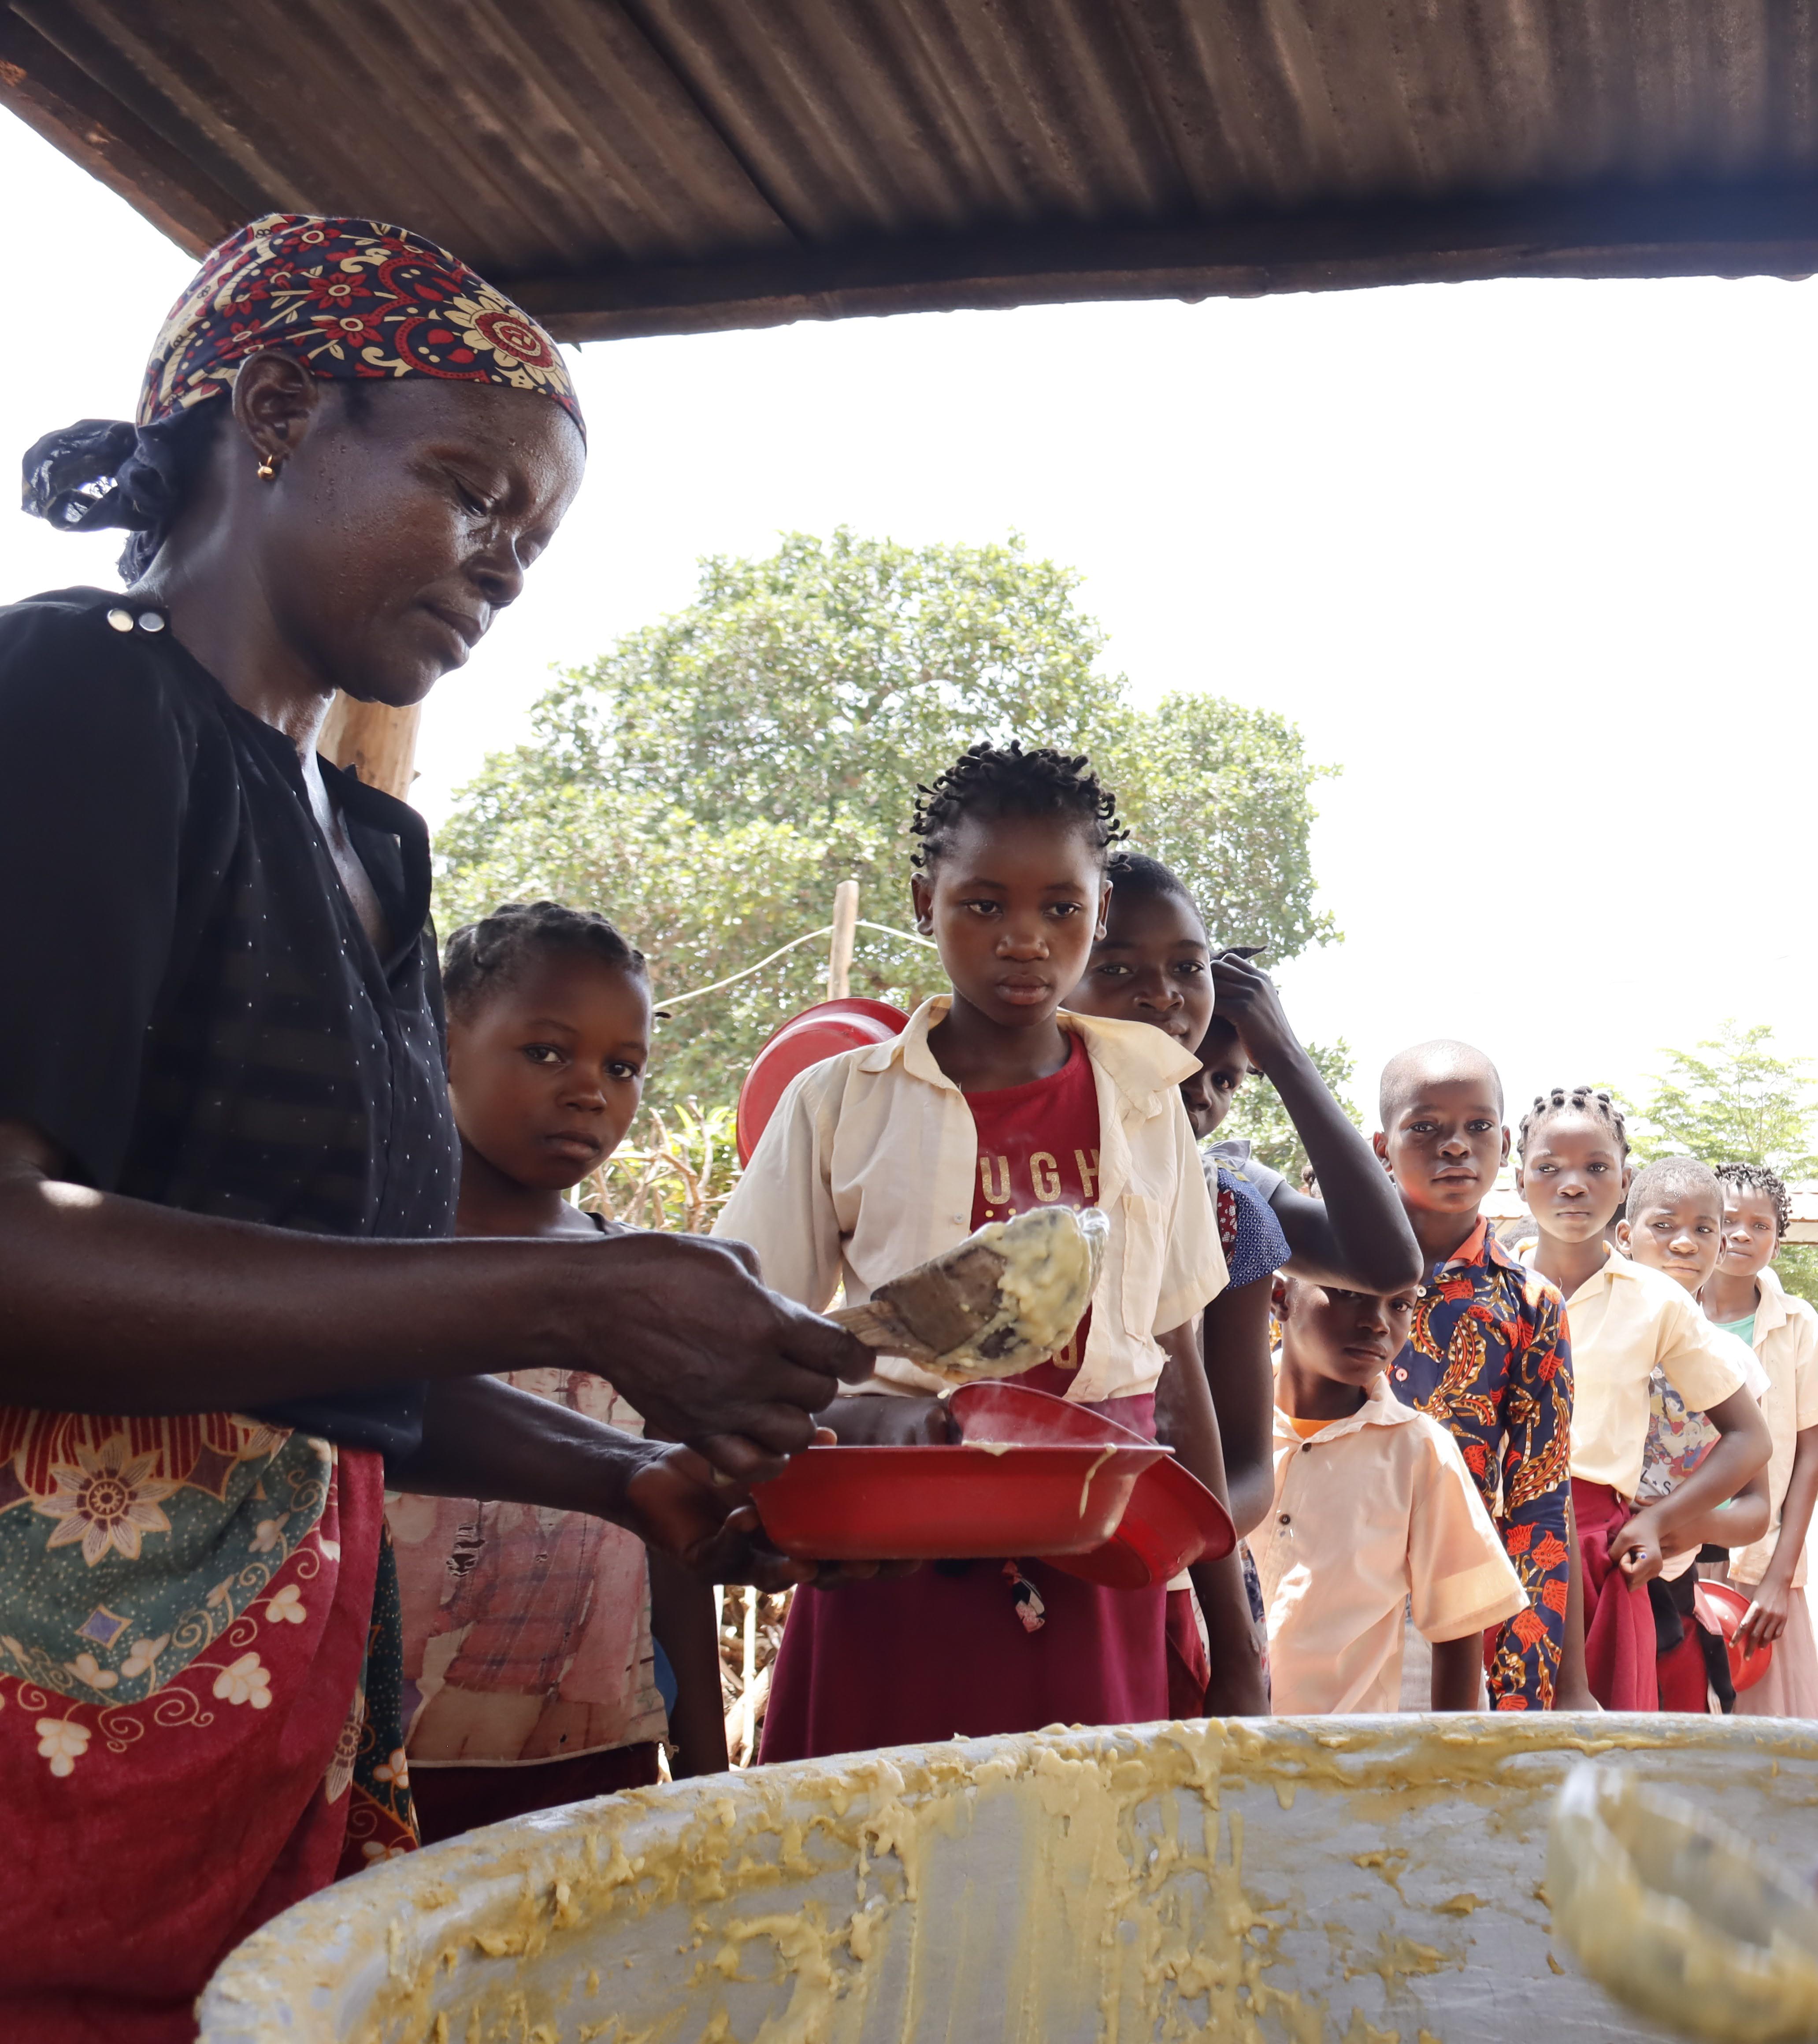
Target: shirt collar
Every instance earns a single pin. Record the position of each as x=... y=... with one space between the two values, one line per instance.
x=1381 y=1408
x=1770 y=1307
x=1143 y=1063
x=1471 y=1251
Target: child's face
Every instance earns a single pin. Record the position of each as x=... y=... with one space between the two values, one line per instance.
x=1152 y=964
x=1015 y=904
x=1224 y=1066
x=1751 y=1231
x=1445 y=1146
x=1680 y=1234
x=1573 y=1177
x=546 y=1074
x=1350 y=1337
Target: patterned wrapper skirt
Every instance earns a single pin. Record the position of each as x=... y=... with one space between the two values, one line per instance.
x=199 y=1704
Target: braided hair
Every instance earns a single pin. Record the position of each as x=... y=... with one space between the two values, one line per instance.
x=1005 y=780
x=1759 y=1178
x=1594 y=1101
x=485 y=957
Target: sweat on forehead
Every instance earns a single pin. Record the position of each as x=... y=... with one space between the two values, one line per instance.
x=1443 y=1061
x=1671 y=1179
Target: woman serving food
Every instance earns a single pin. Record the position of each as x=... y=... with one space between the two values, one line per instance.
x=226 y=1161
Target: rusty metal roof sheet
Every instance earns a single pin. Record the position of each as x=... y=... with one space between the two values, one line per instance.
x=634 y=166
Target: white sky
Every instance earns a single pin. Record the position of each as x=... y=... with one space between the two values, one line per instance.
x=1533 y=561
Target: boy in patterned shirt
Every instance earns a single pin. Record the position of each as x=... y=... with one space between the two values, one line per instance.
x=1487 y=1354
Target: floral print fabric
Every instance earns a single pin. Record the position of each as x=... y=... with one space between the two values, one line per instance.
x=354 y=299
x=185 y=1611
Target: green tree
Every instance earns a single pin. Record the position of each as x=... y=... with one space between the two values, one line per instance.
x=1739 y=1102
x=1258 y=1114
x=1733 y=1099
x=711 y=777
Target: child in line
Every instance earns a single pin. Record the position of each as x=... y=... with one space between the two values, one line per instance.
x=1374 y=1508
x=546 y=1653
x=994 y=1100
x=1682 y=1236
x=1625 y=1320
x=1744 y=1296
x=1155 y=964
x=1487 y=1354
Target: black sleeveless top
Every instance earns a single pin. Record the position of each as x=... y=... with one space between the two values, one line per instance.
x=189 y=1008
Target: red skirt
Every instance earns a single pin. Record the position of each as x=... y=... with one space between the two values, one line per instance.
x=192 y=1771
x=1619 y=1649
x=964 y=1650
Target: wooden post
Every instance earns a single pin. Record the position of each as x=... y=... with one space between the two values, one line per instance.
x=379 y=741
x=845 y=930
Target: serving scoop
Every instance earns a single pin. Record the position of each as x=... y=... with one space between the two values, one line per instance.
x=1005 y=1298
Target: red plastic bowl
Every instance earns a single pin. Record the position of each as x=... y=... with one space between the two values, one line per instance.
x=1172 y=1520
x=950 y=1503
x=819 y=1032
x=1725 y=1608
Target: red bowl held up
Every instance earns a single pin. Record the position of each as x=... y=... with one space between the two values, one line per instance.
x=950 y=1503
x=821 y=1031
x=1172 y=1520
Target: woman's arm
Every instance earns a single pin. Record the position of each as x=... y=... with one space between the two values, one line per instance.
x=1356 y=1234
x=109 y=1304
x=1655 y=1531
x=1234 y=1335
x=1766 y=1618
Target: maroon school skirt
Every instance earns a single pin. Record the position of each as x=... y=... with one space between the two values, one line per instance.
x=963 y=1650
x=1620 y=1648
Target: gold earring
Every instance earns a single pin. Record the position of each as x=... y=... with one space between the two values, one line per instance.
x=267 y=470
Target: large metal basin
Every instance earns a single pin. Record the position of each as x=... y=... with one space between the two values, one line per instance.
x=1361 y=1879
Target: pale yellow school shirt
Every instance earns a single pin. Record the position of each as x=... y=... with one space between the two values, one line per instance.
x=1622 y=1320
x=1786 y=1347
x=867 y=1168
x=1372 y=1510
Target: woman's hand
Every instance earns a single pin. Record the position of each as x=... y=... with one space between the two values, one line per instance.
x=871 y=1421
x=683 y=1325
x=1766 y=1618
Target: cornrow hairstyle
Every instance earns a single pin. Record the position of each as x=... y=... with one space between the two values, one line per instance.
x=1759 y=1178
x=1137 y=876
x=1005 y=780
x=1592 y=1100
x=1667 y=1177
x=484 y=958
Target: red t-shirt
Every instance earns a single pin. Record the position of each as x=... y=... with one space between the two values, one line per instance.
x=1038 y=1146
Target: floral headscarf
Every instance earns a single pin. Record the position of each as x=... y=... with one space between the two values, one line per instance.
x=350 y=298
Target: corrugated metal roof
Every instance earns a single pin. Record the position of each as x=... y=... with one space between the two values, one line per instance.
x=654 y=166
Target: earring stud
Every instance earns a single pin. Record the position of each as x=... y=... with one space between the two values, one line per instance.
x=267 y=470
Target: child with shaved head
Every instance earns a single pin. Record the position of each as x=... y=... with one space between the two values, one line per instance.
x=1487 y=1354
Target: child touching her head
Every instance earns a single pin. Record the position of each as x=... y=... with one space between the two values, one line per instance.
x=1744 y=1296
x=1374 y=1508
x=1626 y=1320
x=546 y=1653
x=994 y=1100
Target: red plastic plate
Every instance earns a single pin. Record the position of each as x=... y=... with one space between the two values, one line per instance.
x=950 y=1503
x=823 y=1031
x=1725 y=1608
x=1172 y=1520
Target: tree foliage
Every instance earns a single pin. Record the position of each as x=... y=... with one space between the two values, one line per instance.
x=711 y=777
x=1732 y=1100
